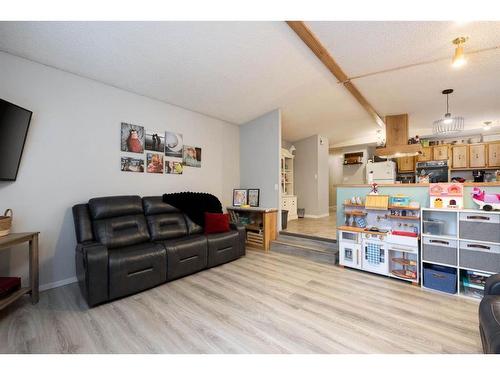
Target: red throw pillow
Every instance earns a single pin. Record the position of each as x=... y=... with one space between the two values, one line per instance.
x=216 y=223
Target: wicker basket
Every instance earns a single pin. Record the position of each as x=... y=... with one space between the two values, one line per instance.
x=5 y=222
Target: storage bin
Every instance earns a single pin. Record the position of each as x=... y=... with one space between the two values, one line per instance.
x=479 y=256
x=440 y=278
x=479 y=226
x=434 y=226
x=440 y=251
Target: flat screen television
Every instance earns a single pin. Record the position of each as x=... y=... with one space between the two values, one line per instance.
x=14 y=124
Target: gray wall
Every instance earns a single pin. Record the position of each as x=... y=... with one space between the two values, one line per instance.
x=73 y=154
x=260 y=141
x=311 y=175
x=350 y=174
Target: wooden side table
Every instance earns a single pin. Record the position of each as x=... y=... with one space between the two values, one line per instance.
x=16 y=239
x=260 y=224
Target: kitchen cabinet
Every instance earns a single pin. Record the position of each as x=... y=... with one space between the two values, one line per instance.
x=406 y=164
x=477 y=155
x=494 y=154
x=440 y=152
x=426 y=154
x=289 y=203
x=459 y=156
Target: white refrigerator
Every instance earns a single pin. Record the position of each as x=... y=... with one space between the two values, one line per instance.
x=383 y=172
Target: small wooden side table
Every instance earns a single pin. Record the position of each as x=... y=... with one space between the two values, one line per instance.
x=16 y=239
x=260 y=224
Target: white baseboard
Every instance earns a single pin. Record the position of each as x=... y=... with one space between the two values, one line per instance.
x=59 y=283
x=316 y=216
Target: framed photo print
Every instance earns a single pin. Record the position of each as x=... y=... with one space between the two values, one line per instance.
x=239 y=197
x=253 y=197
x=132 y=164
x=154 y=163
x=173 y=167
x=132 y=138
x=191 y=156
x=173 y=144
x=155 y=141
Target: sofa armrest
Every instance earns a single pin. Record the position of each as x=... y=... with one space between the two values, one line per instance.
x=92 y=271
x=242 y=235
x=492 y=286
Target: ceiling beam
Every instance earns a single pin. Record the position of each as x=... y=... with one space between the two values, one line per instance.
x=322 y=53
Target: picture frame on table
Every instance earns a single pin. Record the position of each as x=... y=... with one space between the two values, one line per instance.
x=240 y=197
x=253 y=197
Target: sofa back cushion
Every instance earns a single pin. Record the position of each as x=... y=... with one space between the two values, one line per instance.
x=83 y=224
x=106 y=207
x=164 y=221
x=121 y=231
x=118 y=221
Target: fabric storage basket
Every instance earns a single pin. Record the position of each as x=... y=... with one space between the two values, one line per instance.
x=480 y=256
x=479 y=226
x=440 y=278
x=440 y=251
x=5 y=222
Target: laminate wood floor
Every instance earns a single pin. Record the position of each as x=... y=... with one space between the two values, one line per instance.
x=325 y=227
x=262 y=303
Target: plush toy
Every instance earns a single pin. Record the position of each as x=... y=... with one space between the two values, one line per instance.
x=486 y=201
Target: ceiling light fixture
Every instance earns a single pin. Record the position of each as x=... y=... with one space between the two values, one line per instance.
x=448 y=124
x=487 y=125
x=459 y=56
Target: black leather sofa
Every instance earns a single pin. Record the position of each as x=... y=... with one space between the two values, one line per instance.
x=489 y=316
x=126 y=244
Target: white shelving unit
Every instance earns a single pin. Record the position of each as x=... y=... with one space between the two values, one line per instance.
x=470 y=243
x=288 y=199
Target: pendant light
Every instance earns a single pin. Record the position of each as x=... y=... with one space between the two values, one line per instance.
x=487 y=125
x=448 y=124
x=459 y=56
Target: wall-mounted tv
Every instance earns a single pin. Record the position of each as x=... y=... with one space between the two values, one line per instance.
x=14 y=124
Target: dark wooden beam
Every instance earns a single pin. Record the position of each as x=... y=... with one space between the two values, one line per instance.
x=329 y=62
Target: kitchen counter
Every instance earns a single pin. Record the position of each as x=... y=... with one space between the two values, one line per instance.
x=466 y=184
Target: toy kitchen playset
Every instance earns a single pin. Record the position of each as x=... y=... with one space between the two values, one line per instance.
x=380 y=235
x=443 y=248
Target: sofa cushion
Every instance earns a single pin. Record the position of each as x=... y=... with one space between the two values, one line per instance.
x=135 y=268
x=489 y=321
x=121 y=231
x=166 y=226
x=155 y=206
x=185 y=255
x=106 y=207
x=223 y=248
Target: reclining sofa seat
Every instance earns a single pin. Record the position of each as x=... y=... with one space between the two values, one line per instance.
x=126 y=244
x=489 y=316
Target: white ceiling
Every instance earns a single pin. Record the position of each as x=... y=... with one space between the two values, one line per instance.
x=237 y=71
x=234 y=71
x=364 y=47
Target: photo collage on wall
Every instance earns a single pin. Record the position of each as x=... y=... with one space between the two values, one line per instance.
x=165 y=152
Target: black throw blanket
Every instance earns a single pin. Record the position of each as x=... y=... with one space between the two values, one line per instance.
x=194 y=205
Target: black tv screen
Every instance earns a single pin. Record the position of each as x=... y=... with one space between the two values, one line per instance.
x=14 y=124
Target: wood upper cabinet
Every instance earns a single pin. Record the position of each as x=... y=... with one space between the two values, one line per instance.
x=440 y=152
x=426 y=154
x=406 y=164
x=477 y=156
x=494 y=154
x=459 y=156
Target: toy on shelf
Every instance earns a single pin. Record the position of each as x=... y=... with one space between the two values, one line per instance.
x=443 y=195
x=486 y=201
x=374 y=189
